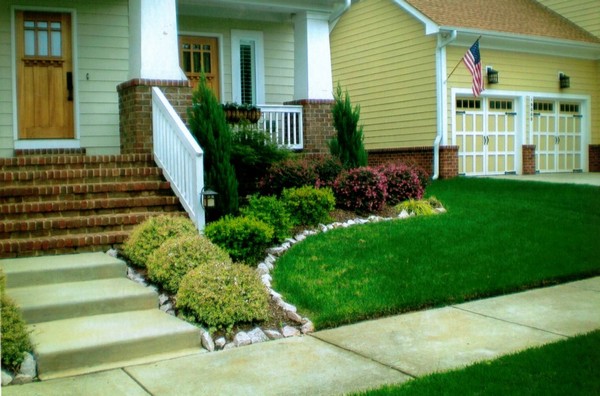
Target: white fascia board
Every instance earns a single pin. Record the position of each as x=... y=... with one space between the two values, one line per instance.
x=430 y=26
x=528 y=44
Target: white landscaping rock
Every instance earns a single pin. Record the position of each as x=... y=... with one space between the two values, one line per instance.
x=112 y=253
x=308 y=328
x=220 y=342
x=262 y=269
x=21 y=379
x=207 y=341
x=257 y=335
x=273 y=334
x=286 y=306
x=241 y=339
x=289 y=331
x=6 y=378
x=403 y=215
x=293 y=316
x=28 y=366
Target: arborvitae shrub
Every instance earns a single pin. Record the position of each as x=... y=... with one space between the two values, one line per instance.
x=244 y=238
x=273 y=212
x=347 y=145
x=363 y=190
x=207 y=123
x=403 y=182
x=13 y=336
x=149 y=235
x=309 y=206
x=177 y=256
x=220 y=295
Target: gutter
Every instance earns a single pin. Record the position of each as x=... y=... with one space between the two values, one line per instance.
x=441 y=93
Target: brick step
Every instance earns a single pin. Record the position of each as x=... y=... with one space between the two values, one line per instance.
x=54 y=226
x=55 y=176
x=76 y=162
x=55 y=151
x=63 y=244
x=45 y=192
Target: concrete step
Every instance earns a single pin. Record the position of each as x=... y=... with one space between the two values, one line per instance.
x=97 y=343
x=31 y=271
x=75 y=299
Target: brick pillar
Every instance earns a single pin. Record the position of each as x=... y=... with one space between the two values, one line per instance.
x=317 y=123
x=528 y=159
x=135 y=110
x=448 y=162
x=594 y=157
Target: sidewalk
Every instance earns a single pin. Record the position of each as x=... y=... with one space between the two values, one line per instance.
x=361 y=356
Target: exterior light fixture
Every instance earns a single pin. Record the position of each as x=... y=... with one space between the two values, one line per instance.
x=208 y=198
x=564 y=80
x=492 y=75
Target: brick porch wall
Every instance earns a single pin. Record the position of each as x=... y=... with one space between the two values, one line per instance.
x=421 y=156
x=594 y=157
x=317 y=124
x=135 y=110
x=528 y=151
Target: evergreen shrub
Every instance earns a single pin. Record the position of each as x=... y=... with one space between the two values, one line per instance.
x=149 y=235
x=220 y=295
x=308 y=205
x=363 y=190
x=244 y=238
x=177 y=256
x=13 y=336
x=273 y=212
x=347 y=145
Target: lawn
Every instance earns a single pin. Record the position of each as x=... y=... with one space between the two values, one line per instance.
x=499 y=236
x=569 y=367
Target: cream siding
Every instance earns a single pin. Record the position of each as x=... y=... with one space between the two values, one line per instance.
x=382 y=57
x=278 y=48
x=102 y=48
x=585 y=13
x=530 y=73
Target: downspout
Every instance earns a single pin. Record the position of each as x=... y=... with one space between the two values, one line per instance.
x=441 y=100
x=333 y=20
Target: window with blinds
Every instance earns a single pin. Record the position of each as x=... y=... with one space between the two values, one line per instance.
x=247 y=72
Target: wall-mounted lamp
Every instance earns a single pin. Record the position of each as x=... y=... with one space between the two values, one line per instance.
x=208 y=198
x=564 y=80
x=492 y=75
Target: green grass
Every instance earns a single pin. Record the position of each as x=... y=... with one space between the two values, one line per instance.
x=498 y=236
x=569 y=367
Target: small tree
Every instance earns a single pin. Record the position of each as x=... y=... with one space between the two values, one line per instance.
x=207 y=123
x=348 y=144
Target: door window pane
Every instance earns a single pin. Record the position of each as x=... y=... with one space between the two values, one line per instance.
x=42 y=40
x=56 y=44
x=29 y=42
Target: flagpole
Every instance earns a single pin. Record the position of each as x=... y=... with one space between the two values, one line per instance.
x=459 y=62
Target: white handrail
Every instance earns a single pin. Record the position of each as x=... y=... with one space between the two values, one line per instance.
x=283 y=124
x=179 y=156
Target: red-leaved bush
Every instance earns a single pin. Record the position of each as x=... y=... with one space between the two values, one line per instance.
x=403 y=182
x=363 y=189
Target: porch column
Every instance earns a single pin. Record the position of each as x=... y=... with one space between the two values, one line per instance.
x=312 y=57
x=153 y=40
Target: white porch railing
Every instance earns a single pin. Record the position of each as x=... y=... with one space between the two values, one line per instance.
x=284 y=124
x=179 y=156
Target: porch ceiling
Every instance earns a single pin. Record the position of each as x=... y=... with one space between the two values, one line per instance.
x=274 y=10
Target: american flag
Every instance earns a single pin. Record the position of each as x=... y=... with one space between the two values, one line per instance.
x=472 y=60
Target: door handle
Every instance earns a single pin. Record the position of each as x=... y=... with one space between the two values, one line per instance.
x=70 y=86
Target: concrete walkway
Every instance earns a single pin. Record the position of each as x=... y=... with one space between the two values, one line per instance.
x=361 y=356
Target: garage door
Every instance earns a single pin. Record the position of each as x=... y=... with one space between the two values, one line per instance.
x=485 y=131
x=557 y=135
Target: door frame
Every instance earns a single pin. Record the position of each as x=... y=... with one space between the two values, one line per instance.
x=219 y=38
x=44 y=143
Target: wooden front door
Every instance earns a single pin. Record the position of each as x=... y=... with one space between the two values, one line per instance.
x=198 y=55
x=44 y=75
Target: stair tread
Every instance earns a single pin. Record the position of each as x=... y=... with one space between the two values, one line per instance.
x=81 y=334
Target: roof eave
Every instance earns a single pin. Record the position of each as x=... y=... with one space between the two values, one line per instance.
x=430 y=26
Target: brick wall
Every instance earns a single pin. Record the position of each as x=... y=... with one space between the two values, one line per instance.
x=528 y=159
x=317 y=124
x=421 y=156
x=594 y=157
x=135 y=110
x=448 y=162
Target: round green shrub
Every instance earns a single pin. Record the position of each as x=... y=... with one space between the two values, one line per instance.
x=13 y=337
x=273 y=212
x=177 y=256
x=220 y=295
x=244 y=238
x=309 y=206
x=149 y=235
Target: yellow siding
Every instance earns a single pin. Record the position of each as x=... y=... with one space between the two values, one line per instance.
x=585 y=13
x=382 y=57
x=278 y=45
x=103 y=52
x=532 y=73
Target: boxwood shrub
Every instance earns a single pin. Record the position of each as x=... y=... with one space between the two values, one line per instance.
x=272 y=211
x=149 y=235
x=177 y=256
x=220 y=295
x=309 y=206
x=13 y=336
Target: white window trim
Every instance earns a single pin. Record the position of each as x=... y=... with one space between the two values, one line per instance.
x=259 y=52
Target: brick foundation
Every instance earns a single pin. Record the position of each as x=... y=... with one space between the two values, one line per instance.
x=528 y=151
x=594 y=157
x=317 y=124
x=448 y=162
x=420 y=156
x=135 y=110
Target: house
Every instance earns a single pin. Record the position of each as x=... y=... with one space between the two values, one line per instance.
x=98 y=84
x=401 y=60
